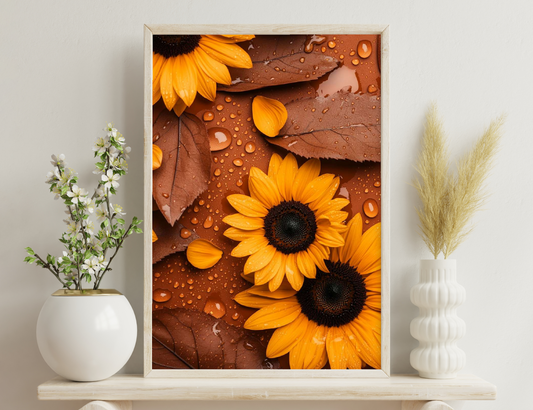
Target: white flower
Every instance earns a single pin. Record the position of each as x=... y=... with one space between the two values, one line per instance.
x=127 y=150
x=90 y=205
x=77 y=194
x=120 y=139
x=119 y=163
x=53 y=176
x=89 y=228
x=91 y=265
x=72 y=227
x=58 y=161
x=100 y=194
x=117 y=209
x=101 y=214
x=95 y=243
x=110 y=179
x=57 y=191
x=66 y=176
x=113 y=152
x=101 y=145
x=111 y=132
x=64 y=257
x=101 y=260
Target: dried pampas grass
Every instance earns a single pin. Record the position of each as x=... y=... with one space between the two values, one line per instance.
x=449 y=201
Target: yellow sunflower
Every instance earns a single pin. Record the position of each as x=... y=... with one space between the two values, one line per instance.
x=288 y=223
x=335 y=317
x=185 y=65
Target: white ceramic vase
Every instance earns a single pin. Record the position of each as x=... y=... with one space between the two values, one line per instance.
x=437 y=327
x=86 y=336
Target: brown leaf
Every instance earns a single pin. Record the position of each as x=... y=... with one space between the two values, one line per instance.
x=169 y=238
x=279 y=60
x=341 y=126
x=186 y=166
x=184 y=339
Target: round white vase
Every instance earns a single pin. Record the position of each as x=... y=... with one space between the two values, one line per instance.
x=437 y=327
x=86 y=335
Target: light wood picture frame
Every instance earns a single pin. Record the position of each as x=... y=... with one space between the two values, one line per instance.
x=384 y=179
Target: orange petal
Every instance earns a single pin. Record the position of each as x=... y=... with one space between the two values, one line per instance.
x=207 y=87
x=170 y=97
x=154 y=236
x=328 y=193
x=294 y=276
x=374 y=302
x=353 y=361
x=310 y=352
x=231 y=38
x=317 y=252
x=229 y=54
x=263 y=188
x=217 y=71
x=285 y=176
x=259 y=259
x=203 y=254
x=185 y=80
x=286 y=337
x=277 y=279
x=352 y=238
x=253 y=301
x=156 y=94
x=306 y=264
x=241 y=235
x=267 y=273
x=329 y=237
x=249 y=246
x=335 y=342
x=247 y=206
x=157 y=157
x=316 y=188
x=276 y=315
x=285 y=291
x=307 y=173
x=373 y=282
x=273 y=166
x=369 y=248
x=334 y=205
x=179 y=107
x=269 y=115
x=245 y=223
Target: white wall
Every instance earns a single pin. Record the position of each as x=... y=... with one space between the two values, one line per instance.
x=68 y=67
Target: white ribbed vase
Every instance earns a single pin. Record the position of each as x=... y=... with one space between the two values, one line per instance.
x=437 y=327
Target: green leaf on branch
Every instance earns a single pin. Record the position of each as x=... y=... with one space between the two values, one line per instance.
x=30 y=251
x=137 y=229
x=121 y=221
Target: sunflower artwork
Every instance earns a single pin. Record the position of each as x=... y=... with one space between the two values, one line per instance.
x=266 y=224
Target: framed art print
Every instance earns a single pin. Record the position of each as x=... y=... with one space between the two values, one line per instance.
x=267 y=194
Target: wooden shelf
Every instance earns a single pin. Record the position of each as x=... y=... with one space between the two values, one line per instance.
x=397 y=387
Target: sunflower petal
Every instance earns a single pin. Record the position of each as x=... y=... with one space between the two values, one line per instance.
x=316 y=188
x=263 y=188
x=328 y=193
x=245 y=223
x=276 y=315
x=229 y=54
x=248 y=277
x=277 y=280
x=157 y=157
x=217 y=71
x=362 y=335
x=154 y=236
x=207 y=87
x=185 y=80
x=167 y=90
x=285 y=338
x=334 y=205
x=307 y=173
x=318 y=253
x=203 y=254
x=329 y=237
x=294 y=276
x=353 y=361
x=267 y=273
x=335 y=346
x=269 y=115
x=273 y=166
x=374 y=302
x=306 y=264
x=373 y=282
x=369 y=248
x=285 y=176
x=156 y=94
x=352 y=238
x=231 y=38
x=283 y=292
x=249 y=246
x=241 y=235
x=259 y=259
x=310 y=352
x=179 y=107
x=253 y=301
x=247 y=205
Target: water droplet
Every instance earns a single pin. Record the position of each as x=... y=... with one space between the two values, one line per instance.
x=201 y=202
x=156 y=137
x=352 y=53
x=372 y=89
x=332 y=44
x=220 y=107
x=249 y=147
x=233 y=115
x=185 y=233
x=161 y=295
x=190 y=281
x=176 y=284
x=311 y=40
x=341 y=56
x=208 y=223
x=165 y=195
x=194 y=221
x=325 y=110
x=323 y=49
x=239 y=142
x=217 y=172
x=238 y=162
x=370 y=207
x=248 y=345
x=196 y=208
x=235 y=316
x=189 y=302
x=216 y=228
x=377 y=184
x=364 y=48
x=355 y=61
x=302 y=59
x=208 y=116
x=214 y=306
x=366 y=190
x=227 y=99
x=219 y=138
x=157 y=274
x=239 y=182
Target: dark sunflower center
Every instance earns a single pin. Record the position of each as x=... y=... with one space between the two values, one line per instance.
x=333 y=299
x=290 y=227
x=172 y=46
